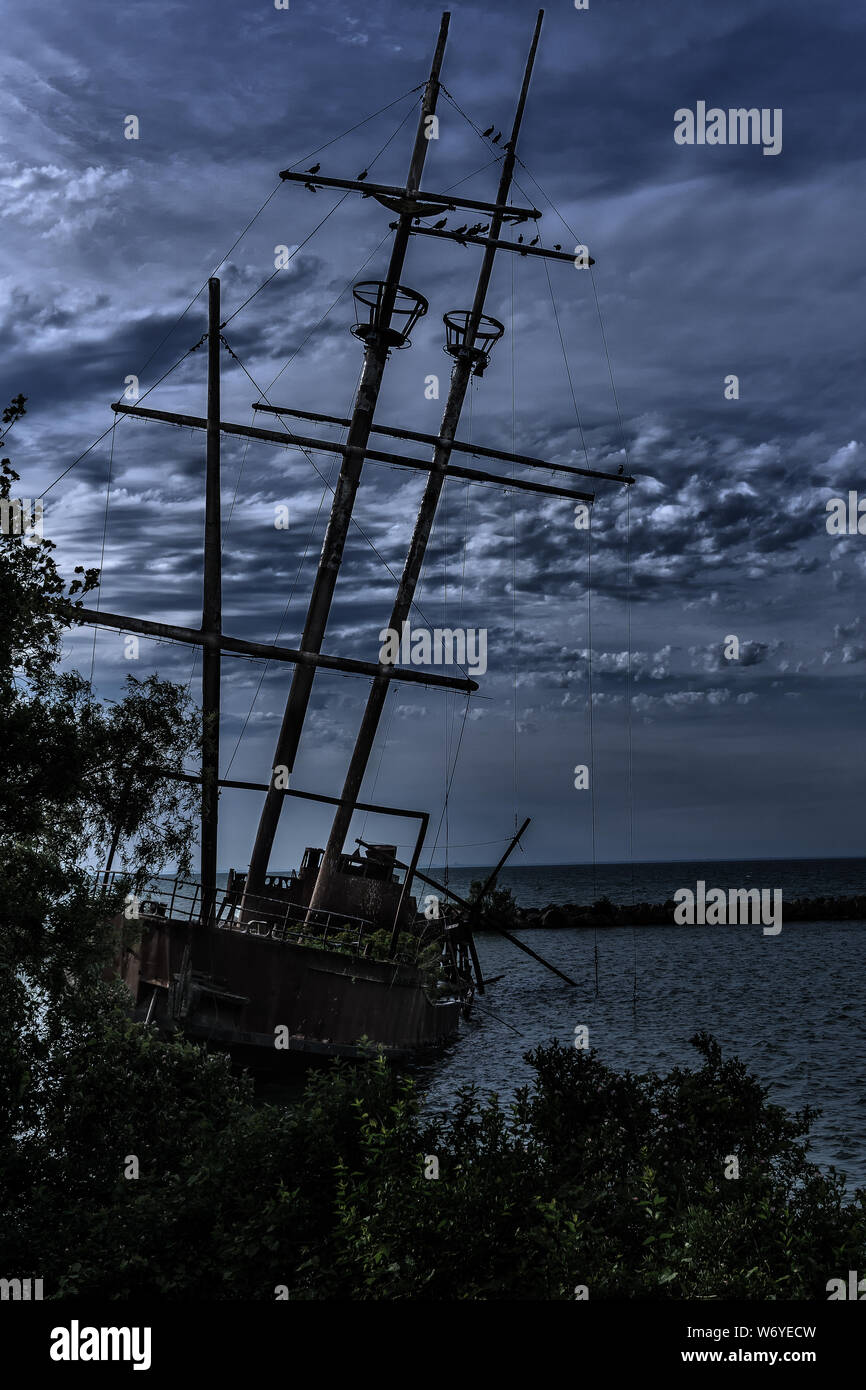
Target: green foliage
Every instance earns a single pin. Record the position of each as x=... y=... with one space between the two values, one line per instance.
x=426 y=954
x=31 y=590
x=587 y=1177
x=73 y=771
x=603 y=908
x=497 y=907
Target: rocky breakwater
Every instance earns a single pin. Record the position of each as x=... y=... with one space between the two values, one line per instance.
x=604 y=913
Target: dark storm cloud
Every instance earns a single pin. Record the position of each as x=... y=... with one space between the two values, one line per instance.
x=710 y=262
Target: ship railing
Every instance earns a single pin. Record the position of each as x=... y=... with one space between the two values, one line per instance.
x=180 y=900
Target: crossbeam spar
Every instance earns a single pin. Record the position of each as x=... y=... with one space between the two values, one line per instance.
x=412 y=203
x=522 y=250
x=237 y=646
x=437 y=441
x=289 y=440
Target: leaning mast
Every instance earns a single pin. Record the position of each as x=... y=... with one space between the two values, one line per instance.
x=380 y=338
x=468 y=342
x=469 y=359
x=211 y=618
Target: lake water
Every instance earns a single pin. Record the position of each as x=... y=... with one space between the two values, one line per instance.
x=630 y=883
x=792 y=1006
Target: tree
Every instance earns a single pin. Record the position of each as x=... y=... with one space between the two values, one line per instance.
x=74 y=770
x=497 y=907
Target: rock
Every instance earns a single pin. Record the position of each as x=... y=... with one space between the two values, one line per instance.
x=554 y=917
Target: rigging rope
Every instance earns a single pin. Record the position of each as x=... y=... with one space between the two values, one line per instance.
x=625 y=449
x=591 y=731
x=239 y=238
x=480 y=170
x=393 y=693
x=290 y=257
x=630 y=774
x=102 y=554
x=203 y=287
x=339 y=202
x=411 y=92
x=572 y=233
x=466 y=489
x=450 y=780
x=514 y=545
x=115 y=421
x=396 y=693
x=445 y=701
x=247 y=301
x=466 y=118
x=452 y=702
x=567 y=366
x=331 y=307
x=621 y=428
x=264 y=672
x=222 y=261
x=307 y=454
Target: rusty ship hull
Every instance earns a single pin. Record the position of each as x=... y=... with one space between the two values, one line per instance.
x=278 y=985
x=285 y=1001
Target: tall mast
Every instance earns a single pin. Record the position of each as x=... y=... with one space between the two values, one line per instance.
x=461 y=376
x=211 y=617
x=375 y=357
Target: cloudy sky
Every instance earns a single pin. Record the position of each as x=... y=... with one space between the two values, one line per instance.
x=712 y=261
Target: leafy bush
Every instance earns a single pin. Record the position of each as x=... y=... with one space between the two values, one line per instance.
x=588 y=1177
x=497 y=908
x=426 y=954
